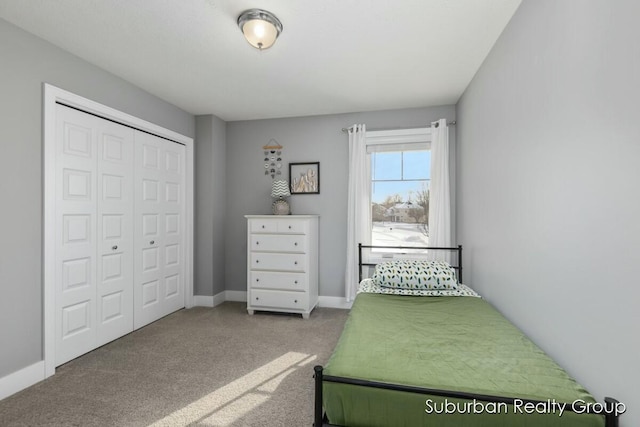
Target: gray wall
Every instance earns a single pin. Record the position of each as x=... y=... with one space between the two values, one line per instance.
x=27 y=62
x=305 y=139
x=548 y=206
x=210 y=212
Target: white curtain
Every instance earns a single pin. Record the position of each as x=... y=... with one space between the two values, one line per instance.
x=439 y=199
x=358 y=206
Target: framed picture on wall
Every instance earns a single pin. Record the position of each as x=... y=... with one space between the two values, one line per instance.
x=304 y=178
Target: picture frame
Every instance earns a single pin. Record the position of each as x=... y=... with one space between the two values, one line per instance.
x=304 y=178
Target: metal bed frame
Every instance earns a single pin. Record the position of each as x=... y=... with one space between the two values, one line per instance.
x=321 y=420
x=457 y=266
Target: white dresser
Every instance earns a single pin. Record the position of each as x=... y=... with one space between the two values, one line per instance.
x=282 y=263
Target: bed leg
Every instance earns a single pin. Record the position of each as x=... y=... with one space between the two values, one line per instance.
x=317 y=415
x=611 y=414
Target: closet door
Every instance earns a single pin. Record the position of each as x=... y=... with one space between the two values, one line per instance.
x=76 y=165
x=115 y=231
x=94 y=219
x=159 y=235
x=174 y=226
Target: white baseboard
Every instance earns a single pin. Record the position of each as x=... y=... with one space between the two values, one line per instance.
x=203 y=301
x=21 y=379
x=240 y=296
x=215 y=300
x=219 y=298
x=334 y=302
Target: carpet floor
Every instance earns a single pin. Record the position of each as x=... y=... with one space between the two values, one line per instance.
x=201 y=367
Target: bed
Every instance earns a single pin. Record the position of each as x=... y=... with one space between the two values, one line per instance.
x=426 y=352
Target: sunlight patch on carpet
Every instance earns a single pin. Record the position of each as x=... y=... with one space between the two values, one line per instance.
x=227 y=404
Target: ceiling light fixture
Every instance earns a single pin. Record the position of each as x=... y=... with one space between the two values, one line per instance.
x=260 y=27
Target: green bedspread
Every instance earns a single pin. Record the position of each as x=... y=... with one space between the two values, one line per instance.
x=444 y=343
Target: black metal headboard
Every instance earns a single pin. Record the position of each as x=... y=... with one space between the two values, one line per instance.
x=457 y=266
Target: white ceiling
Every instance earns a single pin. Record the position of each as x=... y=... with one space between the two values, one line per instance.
x=333 y=56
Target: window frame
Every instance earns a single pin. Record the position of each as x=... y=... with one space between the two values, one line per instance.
x=393 y=140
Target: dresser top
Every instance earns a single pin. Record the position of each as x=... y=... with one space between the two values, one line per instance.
x=281 y=216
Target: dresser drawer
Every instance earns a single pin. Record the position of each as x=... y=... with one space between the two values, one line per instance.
x=263 y=226
x=279 y=299
x=281 y=281
x=279 y=243
x=278 y=225
x=286 y=225
x=277 y=262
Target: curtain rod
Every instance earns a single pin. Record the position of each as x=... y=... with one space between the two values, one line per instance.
x=451 y=123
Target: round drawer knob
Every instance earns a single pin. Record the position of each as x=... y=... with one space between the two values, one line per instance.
x=289 y=227
x=263 y=226
x=257 y=243
x=296 y=262
x=257 y=261
x=296 y=301
x=257 y=280
x=114 y=247
x=295 y=244
x=257 y=298
x=295 y=282
x=152 y=242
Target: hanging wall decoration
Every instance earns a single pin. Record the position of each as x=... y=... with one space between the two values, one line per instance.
x=272 y=158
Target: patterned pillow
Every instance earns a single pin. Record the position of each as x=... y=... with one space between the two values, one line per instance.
x=369 y=287
x=412 y=274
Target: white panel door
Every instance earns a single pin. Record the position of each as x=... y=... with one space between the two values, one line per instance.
x=174 y=162
x=94 y=232
x=114 y=304
x=159 y=228
x=76 y=172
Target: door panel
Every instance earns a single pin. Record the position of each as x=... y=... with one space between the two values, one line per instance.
x=173 y=226
x=149 y=185
x=76 y=171
x=159 y=193
x=115 y=250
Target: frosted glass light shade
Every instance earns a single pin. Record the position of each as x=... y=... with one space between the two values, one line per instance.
x=260 y=27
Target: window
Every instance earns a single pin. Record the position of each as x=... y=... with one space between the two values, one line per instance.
x=400 y=176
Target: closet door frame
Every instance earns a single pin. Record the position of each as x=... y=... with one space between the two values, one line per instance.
x=52 y=96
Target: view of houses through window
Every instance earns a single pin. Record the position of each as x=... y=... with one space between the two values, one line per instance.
x=400 y=198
